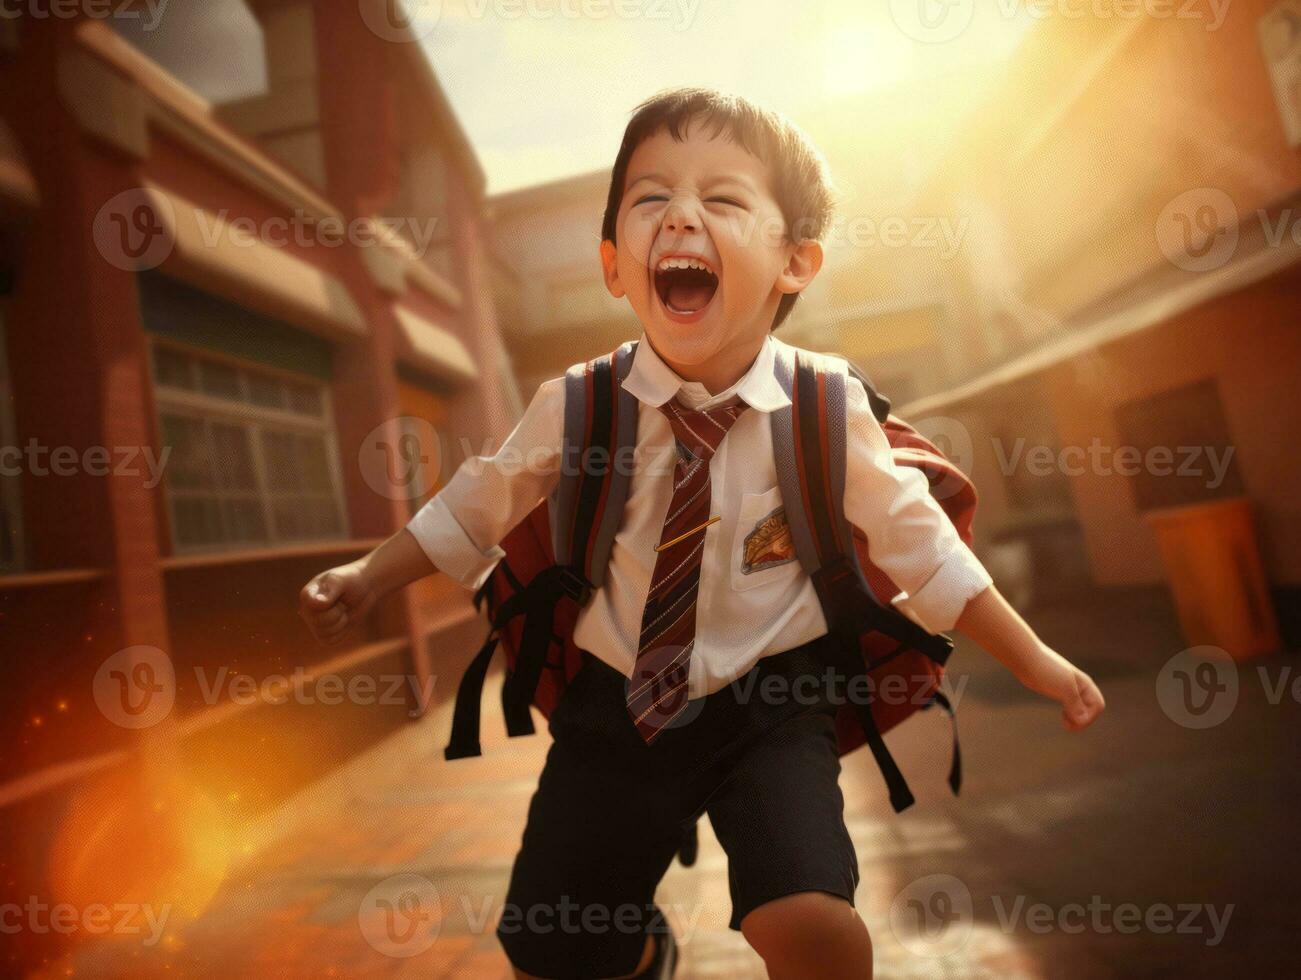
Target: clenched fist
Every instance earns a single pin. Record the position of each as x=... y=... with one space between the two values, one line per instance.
x=335 y=600
x=1053 y=676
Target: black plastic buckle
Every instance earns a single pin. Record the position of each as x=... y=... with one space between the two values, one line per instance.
x=574 y=585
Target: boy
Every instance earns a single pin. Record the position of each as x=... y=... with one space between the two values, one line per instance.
x=711 y=231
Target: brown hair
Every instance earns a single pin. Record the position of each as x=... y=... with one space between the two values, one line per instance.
x=798 y=176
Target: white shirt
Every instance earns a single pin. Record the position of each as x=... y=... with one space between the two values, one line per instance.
x=740 y=616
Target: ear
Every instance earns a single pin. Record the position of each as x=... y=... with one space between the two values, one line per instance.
x=802 y=265
x=609 y=268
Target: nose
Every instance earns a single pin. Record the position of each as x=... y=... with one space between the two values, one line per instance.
x=680 y=217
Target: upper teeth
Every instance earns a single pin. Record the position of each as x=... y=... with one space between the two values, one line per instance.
x=682 y=263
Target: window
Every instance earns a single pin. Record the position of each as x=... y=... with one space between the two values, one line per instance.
x=1184 y=433
x=252 y=458
x=10 y=477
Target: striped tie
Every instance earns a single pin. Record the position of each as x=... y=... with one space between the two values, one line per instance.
x=657 y=690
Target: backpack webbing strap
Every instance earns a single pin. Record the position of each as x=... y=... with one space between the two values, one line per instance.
x=618 y=482
x=955 y=767
x=539 y=607
x=584 y=511
x=600 y=430
x=464 y=740
x=810 y=440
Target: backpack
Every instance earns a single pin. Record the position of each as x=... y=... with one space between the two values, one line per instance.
x=556 y=557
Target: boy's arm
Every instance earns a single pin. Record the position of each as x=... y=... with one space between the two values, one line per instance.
x=996 y=627
x=909 y=536
x=458 y=530
x=945 y=585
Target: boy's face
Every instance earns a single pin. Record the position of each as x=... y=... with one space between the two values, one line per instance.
x=708 y=199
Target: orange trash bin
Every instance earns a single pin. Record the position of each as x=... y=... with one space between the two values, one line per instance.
x=1211 y=554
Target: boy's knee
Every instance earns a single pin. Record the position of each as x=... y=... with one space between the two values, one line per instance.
x=804 y=933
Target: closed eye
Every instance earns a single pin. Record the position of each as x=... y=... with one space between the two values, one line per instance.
x=711 y=200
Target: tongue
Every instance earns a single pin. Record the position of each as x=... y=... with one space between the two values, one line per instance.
x=689 y=297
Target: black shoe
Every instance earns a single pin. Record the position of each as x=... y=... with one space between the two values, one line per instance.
x=665 y=961
x=689 y=846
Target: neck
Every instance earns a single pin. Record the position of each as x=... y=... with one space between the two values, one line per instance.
x=720 y=372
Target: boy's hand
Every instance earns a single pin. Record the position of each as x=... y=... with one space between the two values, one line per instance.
x=336 y=599
x=1053 y=676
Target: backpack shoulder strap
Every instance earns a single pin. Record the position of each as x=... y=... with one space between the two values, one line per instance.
x=584 y=512
x=600 y=433
x=810 y=439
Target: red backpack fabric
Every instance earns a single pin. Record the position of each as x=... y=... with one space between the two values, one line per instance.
x=555 y=558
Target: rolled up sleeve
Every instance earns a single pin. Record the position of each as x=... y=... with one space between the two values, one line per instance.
x=461 y=527
x=909 y=535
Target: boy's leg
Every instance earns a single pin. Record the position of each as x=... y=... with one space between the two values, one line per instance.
x=648 y=954
x=792 y=867
x=810 y=934
x=581 y=897
x=600 y=834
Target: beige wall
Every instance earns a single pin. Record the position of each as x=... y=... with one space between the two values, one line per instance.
x=1062 y=178
x=1249 y=342
x=547 y=241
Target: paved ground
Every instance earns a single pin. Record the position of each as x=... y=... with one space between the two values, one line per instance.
x=1145 y=847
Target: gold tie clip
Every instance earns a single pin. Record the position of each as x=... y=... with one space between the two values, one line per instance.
x=687 y=534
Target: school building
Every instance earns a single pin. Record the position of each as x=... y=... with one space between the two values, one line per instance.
x=222 y=320
x=1078 y=272
x=1122 y=309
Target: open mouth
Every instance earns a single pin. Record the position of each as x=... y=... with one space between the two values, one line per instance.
x=685 y=286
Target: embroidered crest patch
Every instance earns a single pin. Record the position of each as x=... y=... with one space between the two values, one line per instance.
x=768 y=543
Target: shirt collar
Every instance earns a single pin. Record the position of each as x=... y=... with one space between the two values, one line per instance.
x=654 y=382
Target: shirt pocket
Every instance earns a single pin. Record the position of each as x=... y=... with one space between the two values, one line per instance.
x=763 y=551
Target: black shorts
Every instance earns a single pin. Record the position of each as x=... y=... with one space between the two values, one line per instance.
x=607 y=817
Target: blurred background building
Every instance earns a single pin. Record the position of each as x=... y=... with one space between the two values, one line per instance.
x=1094 y=247
x=234 y=283
x=1038 y=261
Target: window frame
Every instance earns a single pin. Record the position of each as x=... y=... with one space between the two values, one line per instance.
x=253 y=418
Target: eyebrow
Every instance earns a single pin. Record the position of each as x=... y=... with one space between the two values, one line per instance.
x=739 y=179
